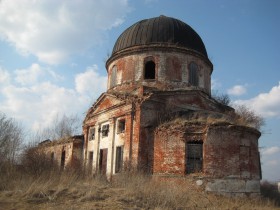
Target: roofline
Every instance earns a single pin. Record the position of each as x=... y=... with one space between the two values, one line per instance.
x=97 y=102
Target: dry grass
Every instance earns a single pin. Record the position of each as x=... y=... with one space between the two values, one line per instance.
x=181 y=194
x=72 y=190
x=243 y=117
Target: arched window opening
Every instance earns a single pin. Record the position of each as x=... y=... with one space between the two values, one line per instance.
x=113 y=76
x=193 y=75
x=150 y=72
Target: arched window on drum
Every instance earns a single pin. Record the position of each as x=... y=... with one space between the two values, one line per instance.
x=149 y=71
x=193 y=74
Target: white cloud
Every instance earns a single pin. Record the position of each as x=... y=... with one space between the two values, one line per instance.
x=54 y=75
x=266 y=104
x=215 y=84
x=271 y=150
x=34 y=74
x=237 y=90
x=90 y=82
x=37 y=104
x=28 y=76
x=52 y=30
x=270 y=163
x=4 y=76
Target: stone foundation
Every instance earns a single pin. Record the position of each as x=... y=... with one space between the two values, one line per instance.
x=234 y=187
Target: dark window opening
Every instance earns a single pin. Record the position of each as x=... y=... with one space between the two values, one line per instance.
x=193 y=75
x=119 y=159
x=103 y=161
x=121 y=126
x=62 y=164
x=105 y=130
x=150 y=72
x=92 y=134
x=194 y=157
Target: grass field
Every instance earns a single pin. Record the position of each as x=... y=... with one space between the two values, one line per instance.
x=71 y=190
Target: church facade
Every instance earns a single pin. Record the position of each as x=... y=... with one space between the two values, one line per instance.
x=158 y=115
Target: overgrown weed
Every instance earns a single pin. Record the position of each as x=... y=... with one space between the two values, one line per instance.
x=157 y=193
x=138 y=190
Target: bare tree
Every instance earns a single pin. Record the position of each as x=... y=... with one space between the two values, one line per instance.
x=11 y=138
x=61 y=127
x=66 y=126
x=222 y=98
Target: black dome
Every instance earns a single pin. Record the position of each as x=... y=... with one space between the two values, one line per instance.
x=160 y=30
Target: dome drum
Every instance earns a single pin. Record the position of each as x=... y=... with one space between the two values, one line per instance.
x=158 y=69
x=161 y=47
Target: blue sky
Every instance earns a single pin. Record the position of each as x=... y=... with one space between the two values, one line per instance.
x=53 y=53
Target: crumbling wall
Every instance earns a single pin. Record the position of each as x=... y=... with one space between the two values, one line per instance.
x=170 y=147
x=230 y=155
x=71 y=147
x=231 y=151
x=232 y=160
x=56 y=150
x=171 y=70
x=169 y=153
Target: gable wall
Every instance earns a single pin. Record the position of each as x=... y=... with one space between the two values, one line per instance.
x=117 y=110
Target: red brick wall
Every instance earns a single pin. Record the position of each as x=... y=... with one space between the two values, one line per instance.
x=173 y=68
x=224 y=153
x=135 y=138
x=169 y=153
x=228 y=151
x=128 y=71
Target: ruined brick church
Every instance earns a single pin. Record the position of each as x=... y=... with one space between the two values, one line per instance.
x=158 y=115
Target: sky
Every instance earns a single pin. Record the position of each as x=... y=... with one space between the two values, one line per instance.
x=53 y=54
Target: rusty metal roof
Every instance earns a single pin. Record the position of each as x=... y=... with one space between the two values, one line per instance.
x=160 y=30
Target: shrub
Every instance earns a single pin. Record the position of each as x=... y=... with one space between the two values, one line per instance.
x=245 y=115
x=270 y=191
x=36 y=162
x=222 y=98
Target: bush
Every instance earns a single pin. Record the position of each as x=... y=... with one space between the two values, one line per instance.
x=245 y=115
x=270 y=191
x=222 y=98
x=36 y=162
